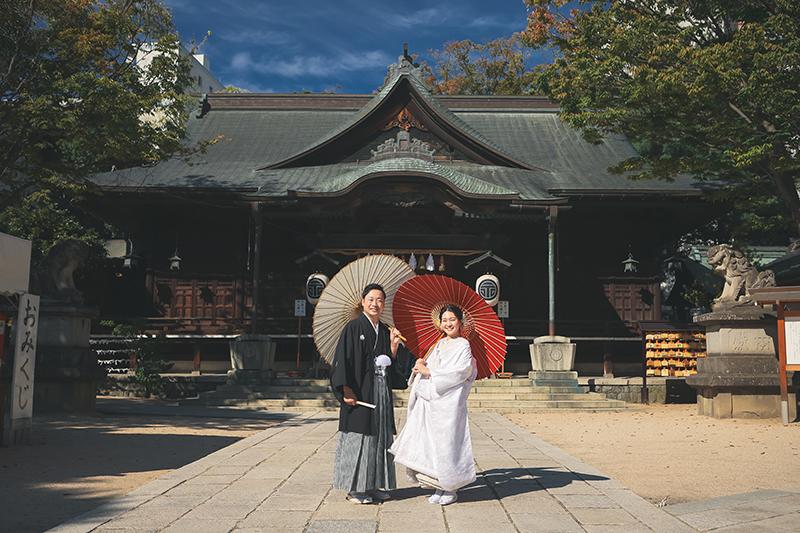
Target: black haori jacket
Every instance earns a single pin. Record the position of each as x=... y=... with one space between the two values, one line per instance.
x=354 y=366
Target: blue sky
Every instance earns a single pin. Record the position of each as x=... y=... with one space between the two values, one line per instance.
x=285 y=46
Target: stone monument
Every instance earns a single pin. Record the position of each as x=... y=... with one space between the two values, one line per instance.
x=552 y=360
x=739 y=377
x=252 y=360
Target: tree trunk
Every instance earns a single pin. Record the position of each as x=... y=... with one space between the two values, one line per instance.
x=788 y=189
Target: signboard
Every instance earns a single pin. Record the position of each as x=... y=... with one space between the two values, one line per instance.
x=299 y=308
x=792 y=340
x=27 y=328
x=502 y=309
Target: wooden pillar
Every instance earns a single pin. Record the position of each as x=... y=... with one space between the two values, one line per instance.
x=256 y=212
x=782 y=362
x=551 y=269
x=196 y=367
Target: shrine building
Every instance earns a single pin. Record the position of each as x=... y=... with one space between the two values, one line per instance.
x=223 y=244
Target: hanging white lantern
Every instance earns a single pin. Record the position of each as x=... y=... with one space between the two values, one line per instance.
x=315 y=284
x=412 y=262
x=488 y=287
x=430 y=265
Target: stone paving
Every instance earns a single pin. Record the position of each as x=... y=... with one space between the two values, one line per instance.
x=279 y=480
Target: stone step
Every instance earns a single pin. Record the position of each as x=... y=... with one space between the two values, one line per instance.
x=284 y=404
x=284 y=392
x=549 y=390
x=514 y=382
x=574 y=404
x=554 y=383
x=544 y=374
x=249 y=389
x=498 y=395
x=503 y=408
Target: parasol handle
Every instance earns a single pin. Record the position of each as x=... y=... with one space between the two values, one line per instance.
x=401 y=337
x=430 y=350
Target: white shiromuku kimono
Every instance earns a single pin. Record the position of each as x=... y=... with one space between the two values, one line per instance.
x=435 y=440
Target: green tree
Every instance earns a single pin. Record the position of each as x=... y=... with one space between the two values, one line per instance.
x=45 y=219
x=499 y=67
x=233 y=90
x=149 y=350
x=708 y=89
x=86 y=85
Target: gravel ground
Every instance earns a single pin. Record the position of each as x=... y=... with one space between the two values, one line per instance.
x=670 y=450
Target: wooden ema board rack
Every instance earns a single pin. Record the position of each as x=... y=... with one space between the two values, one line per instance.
x=672 y=349
x=673 y=353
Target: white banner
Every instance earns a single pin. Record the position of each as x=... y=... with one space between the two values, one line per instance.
x=27 y=327
x=15 y=267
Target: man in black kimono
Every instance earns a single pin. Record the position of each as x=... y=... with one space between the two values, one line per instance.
x=363 y=466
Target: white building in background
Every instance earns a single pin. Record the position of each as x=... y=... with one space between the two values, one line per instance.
x=200 y=71
x=205 y=82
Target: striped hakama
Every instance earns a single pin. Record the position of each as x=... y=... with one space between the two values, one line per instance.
x=362 y=462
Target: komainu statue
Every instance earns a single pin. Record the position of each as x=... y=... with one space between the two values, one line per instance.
x=53 y=276
x=739 y=275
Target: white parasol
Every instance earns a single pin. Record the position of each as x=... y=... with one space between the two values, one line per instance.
x=340 y=302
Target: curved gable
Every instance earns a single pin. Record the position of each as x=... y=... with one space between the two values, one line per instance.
x=403 y=92
x=461 y=183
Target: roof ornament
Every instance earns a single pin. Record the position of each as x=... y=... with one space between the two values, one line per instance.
x=404 y=146
x=405 y=65
x=405 y=121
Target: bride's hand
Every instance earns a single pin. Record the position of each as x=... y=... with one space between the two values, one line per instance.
x=421 y=368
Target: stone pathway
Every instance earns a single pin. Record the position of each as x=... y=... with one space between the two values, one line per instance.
x=279 y=480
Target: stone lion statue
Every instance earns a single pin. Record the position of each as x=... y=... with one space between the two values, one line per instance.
x=53 y=276
x=739 y=275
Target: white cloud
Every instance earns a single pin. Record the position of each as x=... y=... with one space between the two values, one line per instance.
x=316 y=66
x=256 y=37
x=241 y=61
x=426 y=17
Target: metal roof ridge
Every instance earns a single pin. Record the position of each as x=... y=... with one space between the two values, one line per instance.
x=465 y=183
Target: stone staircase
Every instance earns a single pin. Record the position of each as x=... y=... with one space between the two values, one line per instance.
x=494 y=395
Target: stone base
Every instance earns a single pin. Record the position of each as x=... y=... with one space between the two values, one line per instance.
x=64 y=396
x=255 y=378
x=739 y=378
x=556 y=382
x=743 y=402
x=67 y=372
x=660 y=390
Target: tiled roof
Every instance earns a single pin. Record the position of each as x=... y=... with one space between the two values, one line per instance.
x=264 y=130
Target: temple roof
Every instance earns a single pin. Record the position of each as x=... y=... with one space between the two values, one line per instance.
x=301 y=145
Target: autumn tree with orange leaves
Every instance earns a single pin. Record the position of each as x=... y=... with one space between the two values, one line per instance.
x=708 y=89
x=500 y=67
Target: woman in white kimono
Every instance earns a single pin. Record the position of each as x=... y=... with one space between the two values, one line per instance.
x=434 y=444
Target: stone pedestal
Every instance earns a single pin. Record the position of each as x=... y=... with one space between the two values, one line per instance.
x=739 y=377
x=252 y=360
x=552 y=354
x=67 y=373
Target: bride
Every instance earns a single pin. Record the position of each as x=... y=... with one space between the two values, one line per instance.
x=434 y=444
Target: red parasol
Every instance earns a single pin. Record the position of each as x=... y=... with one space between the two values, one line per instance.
x=416 y=308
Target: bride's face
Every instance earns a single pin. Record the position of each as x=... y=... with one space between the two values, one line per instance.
x=451 y=325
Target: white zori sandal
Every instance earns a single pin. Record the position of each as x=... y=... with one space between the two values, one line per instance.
x=447 y=498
